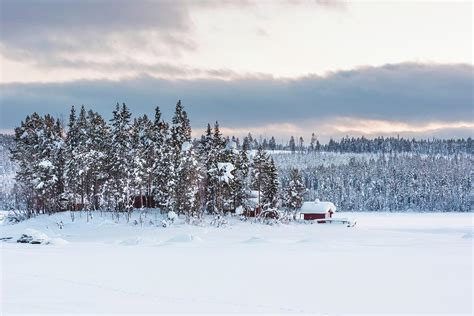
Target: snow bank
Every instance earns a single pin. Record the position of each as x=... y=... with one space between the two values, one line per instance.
x=185 y=238
x=135 y=241
x=57 y=242
x=36 y=234
x=33 y=236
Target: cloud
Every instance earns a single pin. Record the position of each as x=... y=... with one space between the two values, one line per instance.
x=397 y=98
x=113 y=38
x=42 y=31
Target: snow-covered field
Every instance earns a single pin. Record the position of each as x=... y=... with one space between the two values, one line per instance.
x=387 y=263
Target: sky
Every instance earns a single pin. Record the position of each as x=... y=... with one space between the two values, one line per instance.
x=278 y=68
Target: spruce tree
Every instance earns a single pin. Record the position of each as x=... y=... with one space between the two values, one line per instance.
x=293 y=195
x=187 y=186
x=98 y=135
x=72 y=161
x=163 y=167
x=120 y=159
x=241 y=183
x=258 y=174
x=270 y=184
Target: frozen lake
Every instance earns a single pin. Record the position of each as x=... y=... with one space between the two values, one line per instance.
x=387 y=263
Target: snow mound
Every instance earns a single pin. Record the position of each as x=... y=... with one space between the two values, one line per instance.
x=33 y=236
x=136 y=241
x=184 y=239
x=58 y=242
x=36 y=234
x=254 y=240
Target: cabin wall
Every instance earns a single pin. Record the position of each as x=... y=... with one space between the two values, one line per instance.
x=313 y=216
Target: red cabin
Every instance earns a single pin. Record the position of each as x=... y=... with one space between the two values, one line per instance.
x=317 y=210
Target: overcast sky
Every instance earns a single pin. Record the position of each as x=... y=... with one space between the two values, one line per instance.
x=270 y=67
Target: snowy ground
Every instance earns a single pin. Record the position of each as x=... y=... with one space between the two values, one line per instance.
x=388 y=263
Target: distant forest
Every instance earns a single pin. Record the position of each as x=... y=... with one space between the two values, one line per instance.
x=363 y=145
x=92 y=164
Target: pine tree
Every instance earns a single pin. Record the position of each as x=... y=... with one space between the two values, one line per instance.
x=59 y=161
x=187 y=186
x=25 y=154
x=270 y=185
x=180 y=134
x=213 y=192
x=72 y=161
x=226 y=175
x=292 y=144
x=142 y=163
x=163 y=166
x=241 y=184
x=81 y=152
x=272 y=143
x=258 y=175
x=293 y=195
x=181 y=128
x=98 y=136
x=120 y=158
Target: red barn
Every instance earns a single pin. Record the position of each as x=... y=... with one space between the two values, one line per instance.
x=317 y=210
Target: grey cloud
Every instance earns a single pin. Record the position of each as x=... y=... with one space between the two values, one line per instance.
x=32 y=27
x=102 y=16
x=405 y=92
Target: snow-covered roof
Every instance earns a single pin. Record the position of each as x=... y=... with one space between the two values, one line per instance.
x=317 y=207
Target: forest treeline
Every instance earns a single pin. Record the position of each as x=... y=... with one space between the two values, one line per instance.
x=94 y=164
x=387 y=182
x=387 y=145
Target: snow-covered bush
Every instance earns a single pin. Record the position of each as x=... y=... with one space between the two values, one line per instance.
x=14 y=217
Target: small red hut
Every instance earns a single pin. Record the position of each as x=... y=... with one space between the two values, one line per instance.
x=317 y=210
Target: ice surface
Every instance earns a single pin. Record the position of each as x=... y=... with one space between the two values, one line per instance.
x=392 y=263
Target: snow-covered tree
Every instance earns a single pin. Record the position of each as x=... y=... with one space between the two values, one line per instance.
x=258 y=175
x=163 y=168
x=241 y=183
x=270 y=185
x=121 y=159
x=98 y=142
x=187 y=186
x=293 y=193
